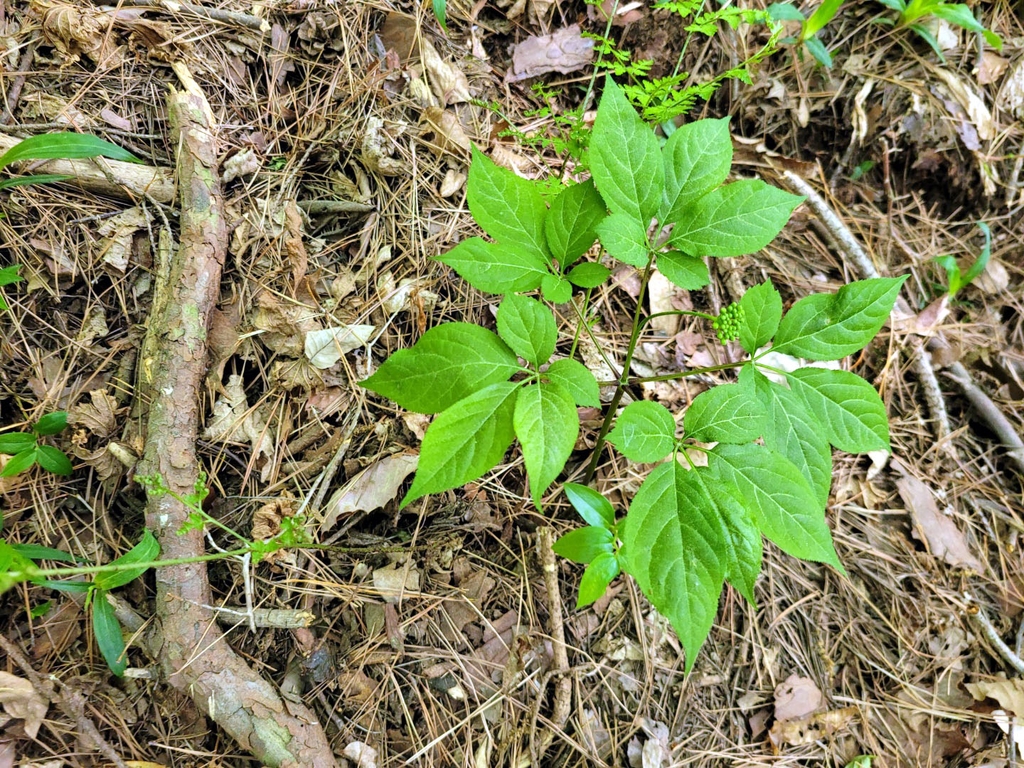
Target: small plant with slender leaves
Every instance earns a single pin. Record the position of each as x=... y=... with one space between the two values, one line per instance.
x=766 y=437
x=955 y=279
x=26 y=449
x=915 y=14
x=810 y=26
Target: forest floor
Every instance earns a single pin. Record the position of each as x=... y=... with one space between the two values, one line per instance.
x=341 y=131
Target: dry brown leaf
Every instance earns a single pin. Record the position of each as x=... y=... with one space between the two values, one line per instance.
x=662 y=295
x=356 y=687
x=1011 y=95
x=377 y=149
x=234 y=421
x=811 y=729
x=447 y=82
x=284 y=325
x=94 y=326
x=796 y=698
x=995 y=278
x=565 y=50
x=398 y=34
x=448 y=134
x=941 y=535
x=20 y=699
x=294 y=248
x=75 y=29
x=395 y=580
x=1009 y=693
x=99 y=416
x=118 y=233
x=990 y=68
x=371 y=489
x=325 y=347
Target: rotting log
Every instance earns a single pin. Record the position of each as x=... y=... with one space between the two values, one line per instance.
x=193 y=652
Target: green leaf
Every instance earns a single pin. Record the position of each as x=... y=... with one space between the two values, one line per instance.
x=508 y=208
x=16 y=442
x=571 y=224
x=925 y=34
x=829 y=327
x=547 y=425
x=496 y=268
x=849 y=409
x=14 y=567
x=778 y=499
x=982 y=261
x=644 y=432
x=19 y=463
x=465 y=441
x=447 y=364
x=65 y=586
x=961 y=15
x=528 y=327
x=588 y=274
x=39 y=552
x=625 y=239
x=66 y=145
x=688 y=272
x=107 y=630
x=39 y=178
x=594 y=508
x=53 y=460
x=733 y=220
x=727 y=413
x=822 y=15
x=793 y=432
x=576 y=379
x=625 y=159
x=556 y=289
x=441 y=13
x=819 y=52
x=762 y=311
x=51 y=423
x=9 y=275
x=584 y=544
x=596 y=578
x=697 y=158
x=784 y=12
x=896 y=5
x=678 y=551
x=143 y=553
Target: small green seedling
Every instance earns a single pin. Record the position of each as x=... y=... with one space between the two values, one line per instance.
x=26 y=450
x=691 y=526
x=916 y=12
x=441 y=13
x=809 y=27
x=956 y=280
x=8 y=275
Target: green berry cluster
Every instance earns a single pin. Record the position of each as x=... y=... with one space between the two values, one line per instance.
x=727 y=324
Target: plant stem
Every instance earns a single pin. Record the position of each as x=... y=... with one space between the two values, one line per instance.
x=620 y=389
x=684 y=374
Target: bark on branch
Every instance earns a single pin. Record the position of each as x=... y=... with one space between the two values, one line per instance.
x=193 y=652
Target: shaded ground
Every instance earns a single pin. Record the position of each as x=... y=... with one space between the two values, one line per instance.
x=344 y=103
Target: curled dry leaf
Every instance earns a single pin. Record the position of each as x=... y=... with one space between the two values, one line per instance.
x=565 y=50
x=809 y=730
x=363 y=755
x=447 y=81
x=326 y=347
x=448 y=134
x=1011 y=96
x=118 y=233
x=395 y=580
x=284 y=325
x=371 y=489
x=1009 y=693
x=990 y=67
x=234 y=421
x=241 y=164
x=796 y=698
x=377 y=149
x=941 y=535
x=99 y=415
x=20 y=699
x=75 y=29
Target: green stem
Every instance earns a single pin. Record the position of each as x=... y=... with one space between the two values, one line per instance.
x=684 y=374
x=620 y=388
x=678 y=313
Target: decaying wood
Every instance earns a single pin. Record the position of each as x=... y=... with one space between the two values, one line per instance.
x=192 y=651
x=133 y=181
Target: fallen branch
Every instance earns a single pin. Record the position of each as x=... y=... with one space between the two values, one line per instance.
x=192 y=650
x=107 y=177
x=989 y=413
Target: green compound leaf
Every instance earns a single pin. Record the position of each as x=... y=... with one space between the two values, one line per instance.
x=145 y=552
x=678 y=551
x=728 y=413
x=494 y=268
x=447 y=364
x=644 y=432
x=584 y=544
x=571 y=224
x=596 y=578
x=556 y=289
x=688 y=272
x=625 y=159
x=848 y=408
x=588 y=274
x=793 y=432
x=547 y=425
x=826 y=326
x=625 y=238
x=697 y=157
x=465 y=441
x=19 y=463
x=16 y=442
x=528 y=327
x=594 y=508
x=508 y=208
x=576 y=379
x=778 y=499
x=53 y=460
x=51 y=423
x=107 y=630
x=65 y=145
x=762 y=311
x=734 y=220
